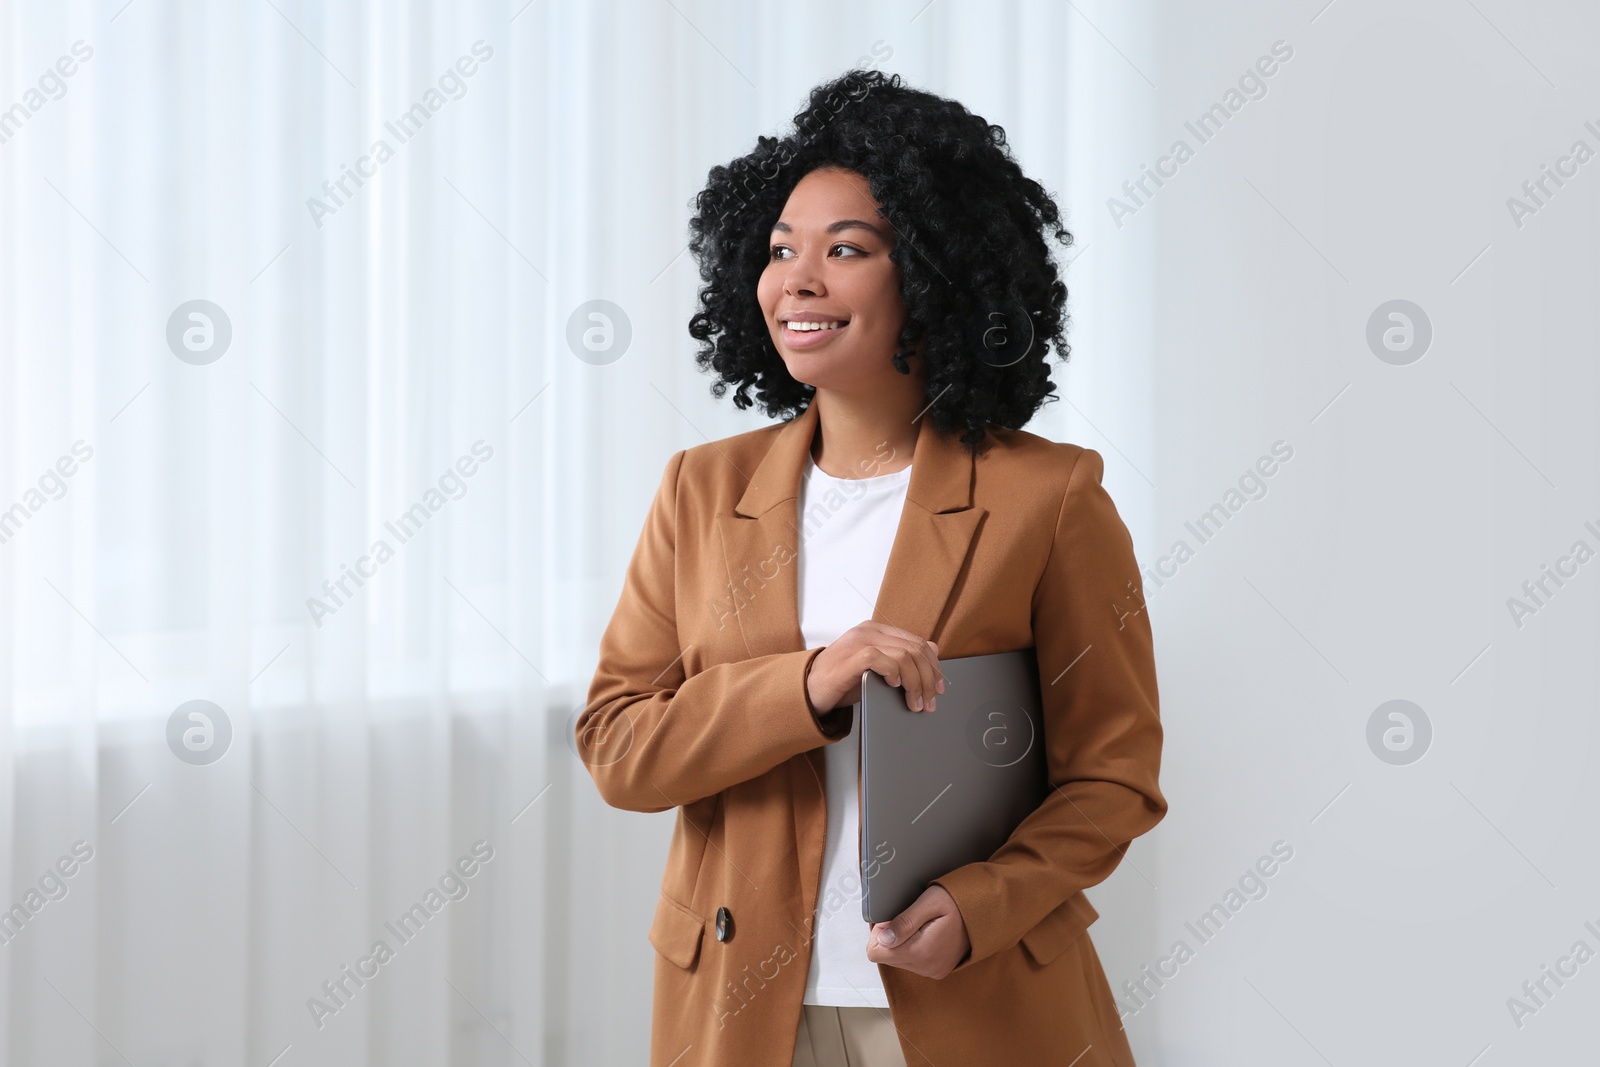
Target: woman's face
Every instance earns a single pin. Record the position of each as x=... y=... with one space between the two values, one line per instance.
x=830 y=294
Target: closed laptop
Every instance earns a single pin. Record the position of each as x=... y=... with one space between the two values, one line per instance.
x=945 y=788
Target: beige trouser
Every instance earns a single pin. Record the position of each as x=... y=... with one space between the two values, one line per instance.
x=846 y=1037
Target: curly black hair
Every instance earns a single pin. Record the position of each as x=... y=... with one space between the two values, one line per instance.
x=976 y=272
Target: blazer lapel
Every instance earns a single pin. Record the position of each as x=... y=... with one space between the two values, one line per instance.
x=760 y=541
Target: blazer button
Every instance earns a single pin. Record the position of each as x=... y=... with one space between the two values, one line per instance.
x=724 y=925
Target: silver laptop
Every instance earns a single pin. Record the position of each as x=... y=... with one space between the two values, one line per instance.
x=945 y=788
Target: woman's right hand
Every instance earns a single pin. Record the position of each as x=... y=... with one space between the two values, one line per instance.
x=901 y=657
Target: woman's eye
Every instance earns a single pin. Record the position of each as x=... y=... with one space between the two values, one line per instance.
x=785 y=252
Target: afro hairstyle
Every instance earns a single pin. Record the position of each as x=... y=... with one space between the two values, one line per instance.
x=981 y=290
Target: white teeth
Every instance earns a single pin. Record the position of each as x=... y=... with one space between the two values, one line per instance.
x=805 y=326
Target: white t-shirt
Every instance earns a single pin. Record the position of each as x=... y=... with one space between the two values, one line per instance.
x=847 y=527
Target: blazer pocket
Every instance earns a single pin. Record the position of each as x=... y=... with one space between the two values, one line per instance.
x=676 y=932
x=1052 y=934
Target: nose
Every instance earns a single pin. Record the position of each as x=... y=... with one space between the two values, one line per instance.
x=803 y=278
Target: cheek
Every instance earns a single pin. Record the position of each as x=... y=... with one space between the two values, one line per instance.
x=882 y=284
x=891 y=295
x=768 y=289
x=888 y=306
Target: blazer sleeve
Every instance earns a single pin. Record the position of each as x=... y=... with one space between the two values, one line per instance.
x=653 y=739
x=1102 y=729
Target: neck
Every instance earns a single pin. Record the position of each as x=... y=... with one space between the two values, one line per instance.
x=863 y=437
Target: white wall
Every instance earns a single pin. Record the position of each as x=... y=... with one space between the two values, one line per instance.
x=1379 y=564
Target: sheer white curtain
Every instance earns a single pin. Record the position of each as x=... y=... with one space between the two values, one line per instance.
x=293 y=427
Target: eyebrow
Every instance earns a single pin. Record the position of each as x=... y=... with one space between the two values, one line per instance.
x=837 y=227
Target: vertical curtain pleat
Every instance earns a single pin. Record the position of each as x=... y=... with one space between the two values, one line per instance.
x=386 y=336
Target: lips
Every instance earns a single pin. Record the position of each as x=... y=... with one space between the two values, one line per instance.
x=808 y=329
x=811 y=338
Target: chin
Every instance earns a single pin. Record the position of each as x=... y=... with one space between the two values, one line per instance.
x=808 y=371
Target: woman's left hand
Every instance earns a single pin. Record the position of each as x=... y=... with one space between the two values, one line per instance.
x=928 y=938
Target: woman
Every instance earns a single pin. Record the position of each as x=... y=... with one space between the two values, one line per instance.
x=883 y=281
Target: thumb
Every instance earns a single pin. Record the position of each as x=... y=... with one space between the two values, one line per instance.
x=908 y=922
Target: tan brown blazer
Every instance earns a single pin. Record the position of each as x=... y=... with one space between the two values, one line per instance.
x=699 y=704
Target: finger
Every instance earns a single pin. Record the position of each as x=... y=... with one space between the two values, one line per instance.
x=907 y=954
x=928 y=673
x=891 y=957
x=902 y=927
x=928 y=654
x=881 y=661
x=919 y=671
x=883 y=633
x=899 y=667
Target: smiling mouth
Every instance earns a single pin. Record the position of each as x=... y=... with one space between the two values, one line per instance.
x=798 y=334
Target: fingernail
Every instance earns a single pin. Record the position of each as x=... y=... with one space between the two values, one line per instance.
x=886 y=937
